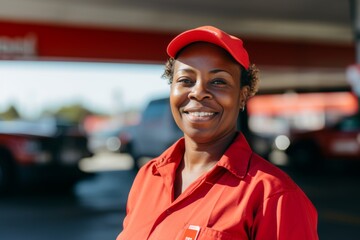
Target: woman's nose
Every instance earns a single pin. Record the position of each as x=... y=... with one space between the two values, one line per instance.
x=199 y=91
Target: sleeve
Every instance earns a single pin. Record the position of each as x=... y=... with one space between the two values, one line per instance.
x=287 y=215
x=128 y=208
x=132 y=196
x=128 y=213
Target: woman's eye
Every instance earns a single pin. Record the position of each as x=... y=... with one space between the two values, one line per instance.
x=219 y=82
x=184 y=80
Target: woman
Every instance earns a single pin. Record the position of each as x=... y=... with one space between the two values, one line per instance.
x=209 y=184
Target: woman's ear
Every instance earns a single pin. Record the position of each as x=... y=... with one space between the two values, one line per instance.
x=244 y=95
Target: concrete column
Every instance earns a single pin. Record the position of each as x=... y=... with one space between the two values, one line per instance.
x=353 y=72
x=355 y=15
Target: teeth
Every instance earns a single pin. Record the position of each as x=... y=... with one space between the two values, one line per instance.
x=201 y=114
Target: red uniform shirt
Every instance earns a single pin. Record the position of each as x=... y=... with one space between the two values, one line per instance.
x=242 y=197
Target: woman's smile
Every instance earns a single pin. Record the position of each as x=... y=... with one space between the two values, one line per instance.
x=199 y=116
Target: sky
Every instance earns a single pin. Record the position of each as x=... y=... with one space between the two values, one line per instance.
x=107 y=88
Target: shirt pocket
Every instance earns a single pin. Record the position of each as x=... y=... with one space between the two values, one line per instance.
x=209 y=234
x=212 y=234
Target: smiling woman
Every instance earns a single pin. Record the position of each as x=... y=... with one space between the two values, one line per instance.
x=210 y=184
x=106 y=88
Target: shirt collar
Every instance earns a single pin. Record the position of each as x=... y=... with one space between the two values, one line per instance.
x=168 y=161
x=235 y=159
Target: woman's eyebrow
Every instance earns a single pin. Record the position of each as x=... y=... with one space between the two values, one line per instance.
x=217 y=70
x=190 y=70
x=186 y=70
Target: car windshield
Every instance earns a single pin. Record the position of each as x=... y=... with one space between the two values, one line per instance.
x=350 y=123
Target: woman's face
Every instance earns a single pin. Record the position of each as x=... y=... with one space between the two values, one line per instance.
x=206 y=95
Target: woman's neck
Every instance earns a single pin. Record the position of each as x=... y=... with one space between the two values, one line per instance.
x=205 y=155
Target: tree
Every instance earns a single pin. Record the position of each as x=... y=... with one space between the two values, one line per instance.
x=10 y=114
x=74 y=113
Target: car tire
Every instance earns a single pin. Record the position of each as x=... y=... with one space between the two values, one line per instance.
x=134 y=156
x=6 y=174
x=305 y=157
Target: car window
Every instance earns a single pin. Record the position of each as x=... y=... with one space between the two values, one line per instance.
x=156 y=110
x=350 y=124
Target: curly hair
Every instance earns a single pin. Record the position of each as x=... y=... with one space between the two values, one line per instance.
x=248 y=77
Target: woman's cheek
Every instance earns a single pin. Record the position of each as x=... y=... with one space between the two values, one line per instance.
x=175 y=90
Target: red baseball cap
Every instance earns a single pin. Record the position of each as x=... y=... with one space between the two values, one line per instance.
x=213 y=35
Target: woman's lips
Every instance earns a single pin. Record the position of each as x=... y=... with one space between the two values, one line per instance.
x=201 y=114
x=197 y=116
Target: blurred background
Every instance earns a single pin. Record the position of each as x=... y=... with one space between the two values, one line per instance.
x=83 y=105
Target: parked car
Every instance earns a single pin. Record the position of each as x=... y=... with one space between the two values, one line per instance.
x=105 y=140
x=309 y=150
x=40 y=153
x=155 y=132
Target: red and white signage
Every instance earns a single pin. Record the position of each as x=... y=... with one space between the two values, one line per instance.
x=47 y=41
x=18 y=47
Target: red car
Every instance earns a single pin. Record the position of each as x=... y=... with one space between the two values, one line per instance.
x=315 y=148
x=40 y=153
